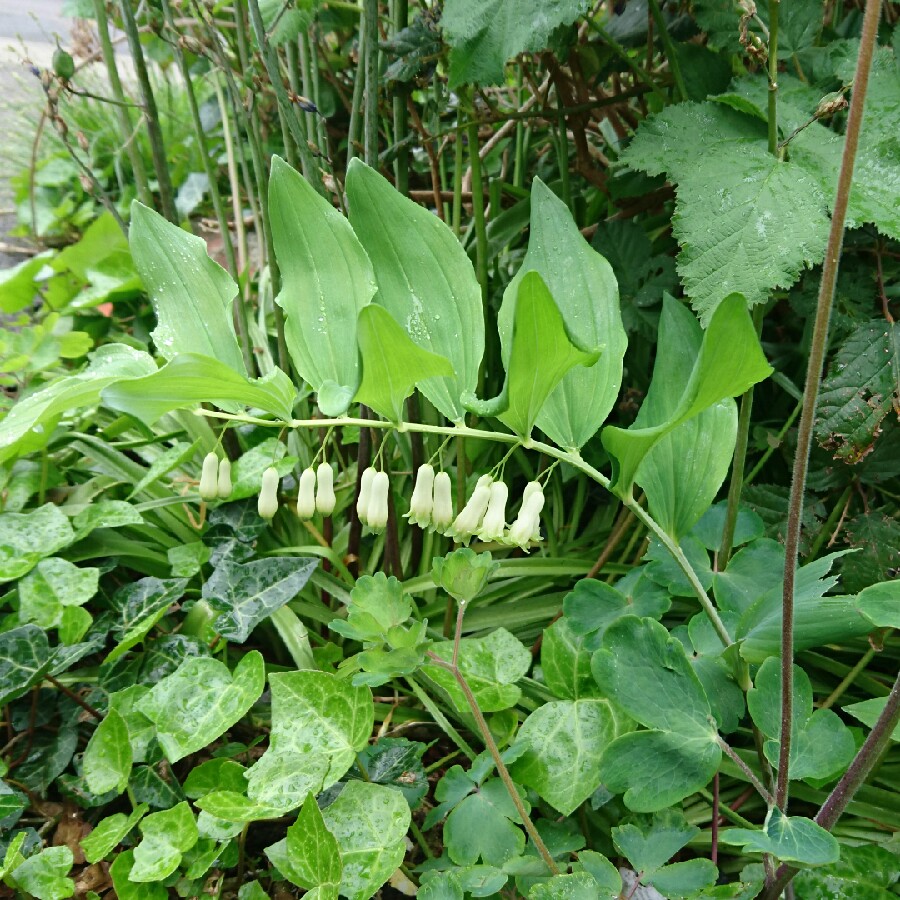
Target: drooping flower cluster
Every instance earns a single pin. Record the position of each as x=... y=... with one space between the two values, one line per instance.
x=316 y=492
x=431 y=505
x=372 y=504
x=215 y=478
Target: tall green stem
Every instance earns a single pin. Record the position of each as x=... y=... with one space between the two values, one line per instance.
x=481 y=244
x=370 y=127
x=401 y=162
x=126 y=126
x=813 y=376
x=772 y=114
x=355 y=126
x=154 y=132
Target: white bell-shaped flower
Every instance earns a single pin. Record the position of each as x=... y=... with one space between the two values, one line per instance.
x=325 y=499
x=421 y=503
x=267 y=505
x=365 y=492
x=527 y=527
x=534 y=487
x=224 y=480
x=209 y=477
x=442 y=511
x=469 y=519
x=378 y=502
x=493 y=526
x=306 y=494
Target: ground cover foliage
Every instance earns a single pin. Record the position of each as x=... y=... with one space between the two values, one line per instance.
x=400 y=410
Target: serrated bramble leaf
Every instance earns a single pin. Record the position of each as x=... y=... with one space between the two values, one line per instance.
x=746 y=222
x=201 y=700
x=860 y=389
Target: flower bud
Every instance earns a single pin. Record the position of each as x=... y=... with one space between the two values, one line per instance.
x=422 y=502
x=365 y=492
x=267 y=505
x=442 y=511
x=527 y=527
x=224 y=481
x=325 y=499
x=306 y=494
x=378 y=502
x=469 y=519
x=494 y=524
x=209 y=474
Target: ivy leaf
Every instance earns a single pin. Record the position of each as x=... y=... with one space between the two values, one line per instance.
x=821 y=744
x=27 y=538
x=110 y=832
x=25 y=656
x=562 y=743
x=646 y=670
x=232 y=806
x=370 y=822
x=141 y=604
x=582 y=285
x=651 y=842
x=867 y=872
x=107 y=757
x=790 y=839
x=215 y=775
x=44 y=874
x=484 y=35
x=189 y=379
x=541 y=350
x=730 y=361
x=425 y=281
x=566 y=661
x=309 y=855
x=53 y=585
x=319 y=723
x=491 y=665
x=200 y=701
x=191 y=294
x=326 y=279
x=167 y=835
x=860 y=389
x=483 y=825
x=392 y=363
x=395 y=762
x=245 y=594
x=126 y=889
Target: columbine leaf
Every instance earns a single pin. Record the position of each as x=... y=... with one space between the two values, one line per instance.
x=540 y=353
x=377 y=604
x=562 y=743
x=201 y=700
x=492 y=665
x=392 y=363
x=594 y=605
x=425 y=280
x=191 y=294
x=646 y=670
x=651 y=843
x=484 y=35
x=319 y=723
x=107 y=757
x=583 y=286
x=370 y=823
x=244 y=594
x=326 y=279
x=309 y=855
x=189 y=378
x=821 y=745
x=790 y=839
x=730 y=361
